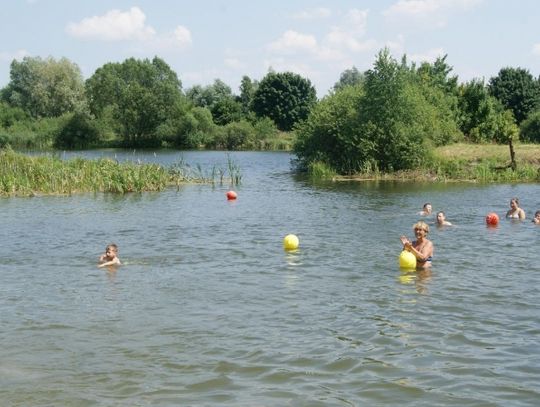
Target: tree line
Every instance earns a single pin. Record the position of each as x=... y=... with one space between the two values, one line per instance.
x=389 y=117
x=141 y=104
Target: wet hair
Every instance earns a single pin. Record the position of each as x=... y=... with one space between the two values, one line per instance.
x=426 y=204
x=421 y=225
x=515 y=200
x=536 y=213
x=112 y=246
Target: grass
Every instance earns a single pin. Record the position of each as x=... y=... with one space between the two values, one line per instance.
x=22 y=175
x=469 y=162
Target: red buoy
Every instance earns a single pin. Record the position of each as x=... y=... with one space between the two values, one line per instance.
x=492 y=219
x=231 y=195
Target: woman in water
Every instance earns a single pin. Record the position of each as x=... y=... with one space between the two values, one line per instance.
x=515 y=212
x=422 y=248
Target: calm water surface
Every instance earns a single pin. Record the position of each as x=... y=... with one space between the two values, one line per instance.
x=209 y=310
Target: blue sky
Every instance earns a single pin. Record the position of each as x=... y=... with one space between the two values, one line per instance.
x=225 y=39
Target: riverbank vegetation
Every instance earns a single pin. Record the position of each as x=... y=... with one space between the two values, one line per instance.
x=456 y=162
x=393 y=119
x=23 y=175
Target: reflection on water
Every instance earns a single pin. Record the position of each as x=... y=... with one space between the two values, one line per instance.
x=208 y=309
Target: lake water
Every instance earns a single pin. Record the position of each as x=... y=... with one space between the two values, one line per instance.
x=209 y=310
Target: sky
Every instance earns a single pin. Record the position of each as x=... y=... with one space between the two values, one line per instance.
x=204 y=40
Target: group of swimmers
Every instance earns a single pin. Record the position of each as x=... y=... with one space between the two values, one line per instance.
x=422 y=248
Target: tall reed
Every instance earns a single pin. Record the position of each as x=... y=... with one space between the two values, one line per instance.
x=49 y=174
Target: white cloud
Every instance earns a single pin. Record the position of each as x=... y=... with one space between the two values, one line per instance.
x=284 y=65
x=536 y=49
x=10 y=56
x=234 y=63
x=115 y=25
x=292 y=41
x=432 y=13
x=429 y=56
x=314 y=13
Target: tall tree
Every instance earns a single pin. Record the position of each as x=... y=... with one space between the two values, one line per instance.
x=349 y=77
x=247 y=91
x=517 y=90
x=45 y=87
x=286 y=98
x=142 y=94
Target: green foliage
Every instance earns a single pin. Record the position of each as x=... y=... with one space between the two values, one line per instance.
x=247 y=91
x=479 y=111
x=530 y=128
x=26 y=175
x=319 y=170
x=45 y=88
x=330 y=133
x=390 y=122
x=235 y=136
x=188 y=127
x=10 y=115
x=286 y=98
x=349 y=77
x=506 y=130
x=140 y=94
x=517 y=90
x=79 y=132
x=218 y=98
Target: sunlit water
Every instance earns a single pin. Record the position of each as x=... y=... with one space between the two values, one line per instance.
x=209 y=310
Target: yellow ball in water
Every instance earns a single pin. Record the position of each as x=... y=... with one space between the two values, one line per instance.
x=290 y=242
x=407 y=260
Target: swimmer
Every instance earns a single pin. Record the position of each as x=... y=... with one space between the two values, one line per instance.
x=110 y=258
x=422 y=248
x=515 y=212
x=536 y=219
x=426 y=209
x=441 y=219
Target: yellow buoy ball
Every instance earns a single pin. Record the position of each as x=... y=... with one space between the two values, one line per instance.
x=407 y=260
x=290 y=242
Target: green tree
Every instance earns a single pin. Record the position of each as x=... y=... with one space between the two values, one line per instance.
x=349 y=77
x=530 y=128
x=286 y=98
x=506 y=133
x=45 y=87
x=390 y=122
x=80 y=131
x=517 y=90
x=478 y=111
x=330 y=134
x=219 y=99
x=247 y=91
x=142 y=94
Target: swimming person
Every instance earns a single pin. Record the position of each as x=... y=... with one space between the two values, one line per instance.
x=422 y=248
x=536 y=219
x=110 y=257
x=515 y=212
x=426 y=209
x=441 y=219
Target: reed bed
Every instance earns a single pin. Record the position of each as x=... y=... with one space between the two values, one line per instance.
x=22 y=175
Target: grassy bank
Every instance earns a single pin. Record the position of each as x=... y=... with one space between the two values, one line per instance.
x=22 y=175
x=468 y=162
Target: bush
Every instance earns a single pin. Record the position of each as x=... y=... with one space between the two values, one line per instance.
x=530 y=128
x=79 y=132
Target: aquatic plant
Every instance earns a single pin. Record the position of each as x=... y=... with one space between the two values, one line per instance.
x=23 y=175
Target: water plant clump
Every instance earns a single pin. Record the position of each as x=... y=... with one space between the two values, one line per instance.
x=22 y=175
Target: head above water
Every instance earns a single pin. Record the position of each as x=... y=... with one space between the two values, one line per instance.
x=427 y=208
x=421 y=225
x=113 y=247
